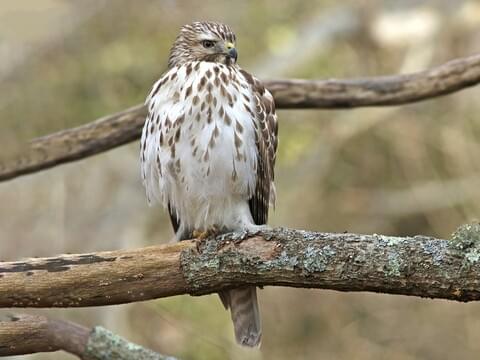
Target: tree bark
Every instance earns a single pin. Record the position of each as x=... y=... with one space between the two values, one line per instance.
x=417 y=266
x=118 y=129
x=27 y=334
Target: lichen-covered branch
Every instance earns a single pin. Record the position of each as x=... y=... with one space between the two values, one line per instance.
x=418 y=266
x=117 y=129
x=27 y=334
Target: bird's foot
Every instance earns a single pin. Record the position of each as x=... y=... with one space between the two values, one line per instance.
x=201 y=236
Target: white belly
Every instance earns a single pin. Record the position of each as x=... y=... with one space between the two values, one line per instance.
x=201 y=159
x=210 y=184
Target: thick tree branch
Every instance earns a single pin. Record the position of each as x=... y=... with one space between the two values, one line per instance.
x=418 y=266
x=118 y=129
x=27 y=334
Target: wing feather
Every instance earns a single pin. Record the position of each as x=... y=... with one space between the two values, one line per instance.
x=150 y=147
x=266 y=139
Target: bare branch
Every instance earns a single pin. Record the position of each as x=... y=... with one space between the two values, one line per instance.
x=27 y=334
x=118 y=129
x=445 y=79
x=74 y=144
x=418 y=266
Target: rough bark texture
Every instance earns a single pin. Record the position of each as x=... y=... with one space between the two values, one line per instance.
x=418 y=266
x=118 y=129
x=104 y=345
x=110 y=277
x=27 y=334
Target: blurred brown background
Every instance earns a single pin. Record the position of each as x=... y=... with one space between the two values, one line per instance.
x=399 y=170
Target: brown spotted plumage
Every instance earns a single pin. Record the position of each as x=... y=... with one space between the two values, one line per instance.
x=208 y=149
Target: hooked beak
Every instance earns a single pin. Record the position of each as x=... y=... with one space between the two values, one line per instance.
x=231 y=51
x=233 y=54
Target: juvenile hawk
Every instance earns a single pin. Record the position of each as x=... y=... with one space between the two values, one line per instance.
x=208 y=149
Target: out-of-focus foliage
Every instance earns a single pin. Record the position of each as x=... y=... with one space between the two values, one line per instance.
x=403 y=170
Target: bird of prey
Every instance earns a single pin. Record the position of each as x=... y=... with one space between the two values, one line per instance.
x=208 y=149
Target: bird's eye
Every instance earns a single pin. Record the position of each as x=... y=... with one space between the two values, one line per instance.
x=208 y=44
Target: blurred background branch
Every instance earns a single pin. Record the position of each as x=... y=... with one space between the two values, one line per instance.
x=27 y=334
x=118 y=129
x=418 y=266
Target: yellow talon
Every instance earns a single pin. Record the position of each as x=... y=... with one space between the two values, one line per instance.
x=200 y=235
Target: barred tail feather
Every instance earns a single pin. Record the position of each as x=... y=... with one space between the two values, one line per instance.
x=243 y=307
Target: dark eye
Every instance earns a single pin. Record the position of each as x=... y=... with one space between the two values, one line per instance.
x=208 y=44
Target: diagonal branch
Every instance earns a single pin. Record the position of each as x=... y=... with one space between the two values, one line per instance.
x=28 y=334
x=77 y=143
x=418 y=266
x=118 y=129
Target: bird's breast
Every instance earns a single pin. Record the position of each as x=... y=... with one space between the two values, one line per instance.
x=203 y=122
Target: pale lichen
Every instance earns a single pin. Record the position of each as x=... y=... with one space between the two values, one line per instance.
x=466 y=236
x=473 y=256
x=104 y=345
x=394 y=265
x=467 y=239
x=391 y=240
x=316 y=259
x=435 y=249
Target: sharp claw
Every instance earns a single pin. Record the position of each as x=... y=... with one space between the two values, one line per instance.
x=200 y=236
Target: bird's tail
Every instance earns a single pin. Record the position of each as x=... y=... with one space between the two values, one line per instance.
x=243 y=307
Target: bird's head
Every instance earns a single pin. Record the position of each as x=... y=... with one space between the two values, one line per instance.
x=204 y=41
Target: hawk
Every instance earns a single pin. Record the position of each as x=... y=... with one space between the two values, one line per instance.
x=208 y=149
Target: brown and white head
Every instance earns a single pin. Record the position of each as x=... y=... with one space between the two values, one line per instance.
x=204 y=41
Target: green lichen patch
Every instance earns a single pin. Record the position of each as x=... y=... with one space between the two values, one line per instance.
x=466 y=236
x=316 y=259
x=104 y=345
x=389 y=240
x=394 y=266
x=472 y=256
x=467 y=240
x=194 y=263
